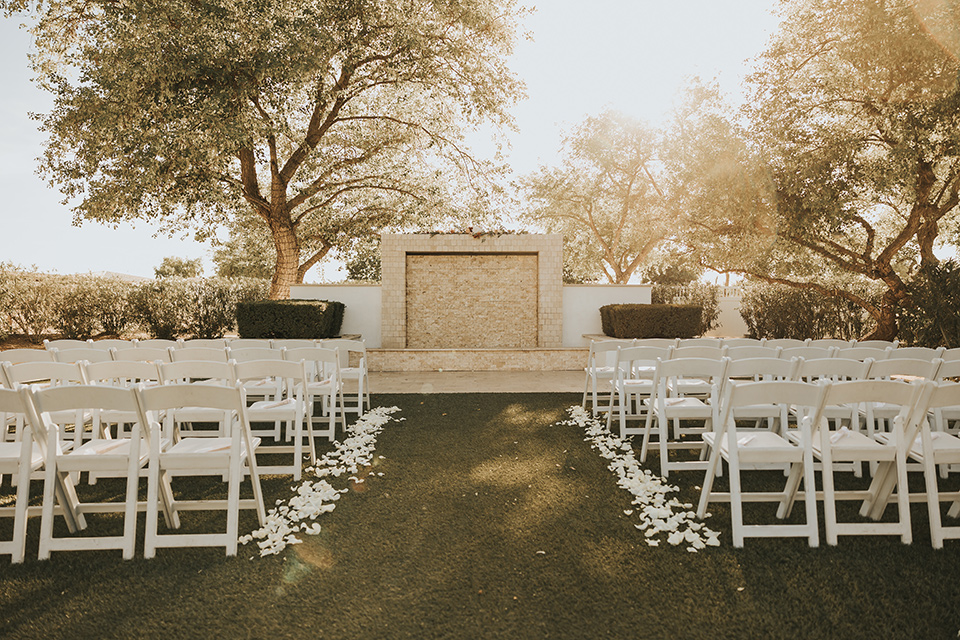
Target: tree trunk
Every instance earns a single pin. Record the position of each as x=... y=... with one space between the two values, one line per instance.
x=886 y=328
x=288 y=258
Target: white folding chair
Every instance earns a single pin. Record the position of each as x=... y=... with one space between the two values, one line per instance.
x=18 y=459
x=253 y=353
x=848 y=445
x=205 y=343
x=635 y=368
x=807 y=353
x=699 y=342
x=119 y=374
x=663 y=343
x=323 y=372
x=600 y=369
x=877 y=344
x=714 y=351
x=110 y=457
x=232 y=456
x=685 y=405
x=919 y=353
x=76 y=355
x=757 y=351
x=786 y=343
x=289 y=409
x=833 y=343
x=158 y=343
x=291 y=343
x=761 y=449
x=249 y=343
x=759 y=369
x=350 y=350
x=51 y=374
x=744 y=342
x=862 y=353
x=111 y=343
x=191 y=420
x=65 y=343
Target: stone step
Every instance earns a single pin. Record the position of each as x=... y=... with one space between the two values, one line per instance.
x=540 y=359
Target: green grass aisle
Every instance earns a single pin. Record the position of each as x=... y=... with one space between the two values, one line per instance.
x=491 y=521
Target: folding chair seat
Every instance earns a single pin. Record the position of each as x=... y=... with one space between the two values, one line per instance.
x=750 y=449
x=680 y=417
x=141 y=354
x=289 y=409
x=77 y=355
x=110 y=457
x=19 y=356
x=843 y=445
x=786 y=343
x=232 y=457
x=600 y=370
x=323 y=383
x=18 y=459
x=350 y=351
x=635 y=368
x=187 y=419
x=199 y=354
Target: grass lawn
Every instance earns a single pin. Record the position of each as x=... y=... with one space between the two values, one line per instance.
x=447 y=544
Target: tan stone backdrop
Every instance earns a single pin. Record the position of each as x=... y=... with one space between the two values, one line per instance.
x=471 y=301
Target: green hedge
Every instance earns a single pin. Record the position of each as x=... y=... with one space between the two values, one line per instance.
x=651 y=320
x=307 y=319
x=779 y=311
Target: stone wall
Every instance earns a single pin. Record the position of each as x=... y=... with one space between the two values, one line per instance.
x=468 y=276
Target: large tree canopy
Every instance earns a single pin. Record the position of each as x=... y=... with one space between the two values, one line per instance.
x=300 y=112
x=855 y=112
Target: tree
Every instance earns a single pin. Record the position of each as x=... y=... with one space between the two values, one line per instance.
x=855 y=111
x=303 y=114
x=605 y=198
x=172 y=267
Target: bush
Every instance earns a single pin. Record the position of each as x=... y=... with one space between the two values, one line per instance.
x=29 y=300
x=934 y=321
x=699 y=294
x=215 y=304
x=307 y=319
x=651 y=320
x=163 y=306
x=780 y=311
x=78 y=314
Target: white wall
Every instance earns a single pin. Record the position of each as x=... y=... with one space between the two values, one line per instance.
x=582 y=302
x=362 y=306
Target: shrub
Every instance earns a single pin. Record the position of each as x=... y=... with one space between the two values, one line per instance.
x=78 y=314
x=308 y=319
x=28 y=300
x=699 y=294
x=215 y=304
x=114 y=305
x=651 y=320
x=934 y=321
x=163 y=306
x=780 y=311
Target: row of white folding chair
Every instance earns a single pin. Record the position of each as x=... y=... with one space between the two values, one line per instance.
x=231 y=457
x=812 y=439
x=160 y=343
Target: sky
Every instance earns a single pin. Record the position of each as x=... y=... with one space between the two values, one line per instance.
x=584 y=56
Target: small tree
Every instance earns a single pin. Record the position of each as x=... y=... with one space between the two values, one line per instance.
x=172 y=267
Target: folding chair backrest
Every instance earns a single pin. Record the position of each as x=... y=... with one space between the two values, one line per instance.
x=877 y=344
x=159 y=343
x=76 y=355
x=16 y=356
x=68 y=398
x=653 y=342
x=111 y=343
x=142 y=354
x=807 y=353
x=121 y=373
x=603 y=352
x=57 y=373
x=809 y=397
x=198 y=354
x=886 y=392
x=786 y=343
x=290 y=370
x=179 y=396
x=248 y=343
x=920 y=353
x=206 y=343
x=763 y=368
x=187 y=370
x=947 y=356
x=65 y=344
x=715 y=352
x=905 y=368
x=629 y=358
x=949 y=370
x=743 y=342
x=292 y=343
x=831 y=369
x=705 y=368
x=344 y=347
x=827 y=343
x=699 y=342
x=862 y=353
x=254 y=353
x=739 y=353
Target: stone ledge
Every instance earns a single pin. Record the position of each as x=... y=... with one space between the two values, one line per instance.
x=544 y=359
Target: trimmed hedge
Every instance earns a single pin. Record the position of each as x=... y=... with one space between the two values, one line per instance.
x=306 y=319
x=651 y=320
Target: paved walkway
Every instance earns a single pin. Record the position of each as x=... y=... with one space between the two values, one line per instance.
x=476 y=382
